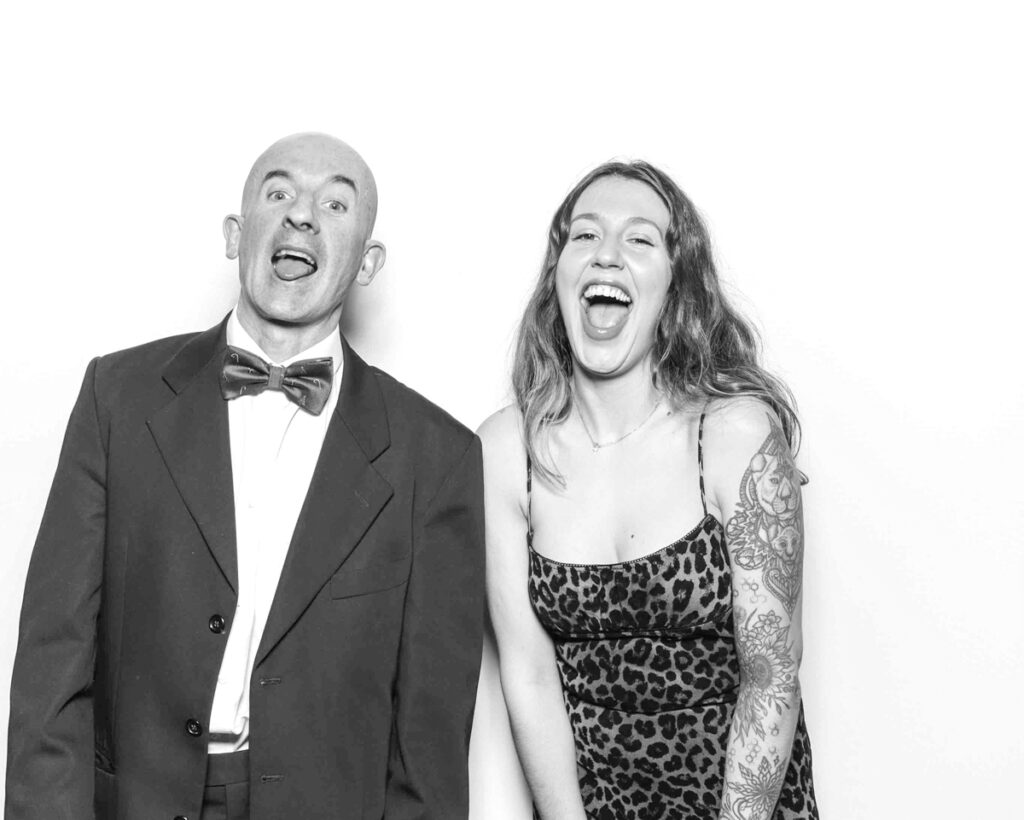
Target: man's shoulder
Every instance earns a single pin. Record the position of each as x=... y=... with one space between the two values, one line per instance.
x=140 y=371
x=414 y=417
x=148 y=355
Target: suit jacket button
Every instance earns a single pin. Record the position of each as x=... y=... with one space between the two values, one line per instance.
x=180 y=817
x=193 y=727
x=217 y=624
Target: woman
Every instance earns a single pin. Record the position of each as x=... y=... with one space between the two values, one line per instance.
x=645 y=680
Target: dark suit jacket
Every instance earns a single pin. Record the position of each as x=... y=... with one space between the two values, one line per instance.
x=363 y=690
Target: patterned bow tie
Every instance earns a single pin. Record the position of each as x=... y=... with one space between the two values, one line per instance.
x=307 y=383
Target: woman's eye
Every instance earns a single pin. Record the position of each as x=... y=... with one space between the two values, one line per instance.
x=642 y=240
x=585 y=235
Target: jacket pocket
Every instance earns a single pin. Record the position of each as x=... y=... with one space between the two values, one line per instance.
x=350 y=582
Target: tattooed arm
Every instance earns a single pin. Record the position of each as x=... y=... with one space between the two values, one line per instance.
x=758 y=486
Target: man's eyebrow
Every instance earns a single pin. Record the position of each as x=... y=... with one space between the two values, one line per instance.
x=274 y=174
x=278 y=173
x=344 y=180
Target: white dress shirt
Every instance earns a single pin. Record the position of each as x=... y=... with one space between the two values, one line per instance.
x=274 y=449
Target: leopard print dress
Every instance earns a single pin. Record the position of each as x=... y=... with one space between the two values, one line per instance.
x=650 y=675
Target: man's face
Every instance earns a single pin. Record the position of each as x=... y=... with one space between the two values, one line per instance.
x=304 y=233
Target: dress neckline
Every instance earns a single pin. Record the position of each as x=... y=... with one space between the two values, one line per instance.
x=690 y=536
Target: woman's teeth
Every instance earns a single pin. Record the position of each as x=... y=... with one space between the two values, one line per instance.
x=605 y=306
x=606 y=292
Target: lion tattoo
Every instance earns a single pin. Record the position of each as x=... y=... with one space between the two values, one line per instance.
x=765 y=533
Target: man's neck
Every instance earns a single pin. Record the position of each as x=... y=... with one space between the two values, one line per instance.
x=282 y=342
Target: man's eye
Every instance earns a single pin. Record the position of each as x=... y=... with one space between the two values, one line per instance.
x=277 y=196
x=335 y=205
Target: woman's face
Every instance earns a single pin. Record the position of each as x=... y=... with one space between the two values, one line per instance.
x=613 y=274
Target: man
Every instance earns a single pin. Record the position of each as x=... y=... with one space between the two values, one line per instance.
x=256 y=591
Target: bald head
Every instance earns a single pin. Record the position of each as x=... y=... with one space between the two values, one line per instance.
x=320 y=156
x=303 y=238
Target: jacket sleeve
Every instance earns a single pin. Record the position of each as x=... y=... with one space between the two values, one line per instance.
x=50 y=754
x=440 y=652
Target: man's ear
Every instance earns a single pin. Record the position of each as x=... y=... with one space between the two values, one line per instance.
x=373 y=260
x=232 y=228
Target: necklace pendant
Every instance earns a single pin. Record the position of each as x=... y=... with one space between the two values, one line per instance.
x=595 y=445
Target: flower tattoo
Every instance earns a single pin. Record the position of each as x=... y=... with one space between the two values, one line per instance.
x=769 y=673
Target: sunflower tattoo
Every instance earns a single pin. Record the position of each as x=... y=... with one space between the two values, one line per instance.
x=768 y=671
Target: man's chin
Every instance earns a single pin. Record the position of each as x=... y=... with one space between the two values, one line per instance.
x=269 y=315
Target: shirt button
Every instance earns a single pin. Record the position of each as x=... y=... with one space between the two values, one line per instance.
x=217 y=624
x=193 y=727
x=180 y=817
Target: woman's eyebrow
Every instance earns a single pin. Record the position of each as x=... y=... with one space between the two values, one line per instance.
x=631 y=221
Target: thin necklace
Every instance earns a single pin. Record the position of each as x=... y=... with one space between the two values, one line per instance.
x=595 y=445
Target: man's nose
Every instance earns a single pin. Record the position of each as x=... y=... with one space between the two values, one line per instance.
x=302 y=215
x=608 y=254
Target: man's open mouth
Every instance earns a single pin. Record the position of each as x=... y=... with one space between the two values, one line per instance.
x=605 y=306
x=293 y=263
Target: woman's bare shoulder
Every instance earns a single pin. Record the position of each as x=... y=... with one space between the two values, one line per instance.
x=736 y=431
x=502 y=430
x=739 y=424
x=501 y=435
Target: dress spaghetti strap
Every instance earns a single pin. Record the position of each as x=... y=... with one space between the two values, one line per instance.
x=529 y=501
x=700 y=462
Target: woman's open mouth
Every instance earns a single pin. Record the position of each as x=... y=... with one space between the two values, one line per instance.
x=605 y=310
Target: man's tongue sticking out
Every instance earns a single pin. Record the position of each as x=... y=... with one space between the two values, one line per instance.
x=292 y=264
x=289 y=267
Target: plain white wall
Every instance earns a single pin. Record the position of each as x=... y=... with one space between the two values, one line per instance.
x=860 y=169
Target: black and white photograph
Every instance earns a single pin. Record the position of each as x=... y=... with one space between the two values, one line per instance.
x=573 y=411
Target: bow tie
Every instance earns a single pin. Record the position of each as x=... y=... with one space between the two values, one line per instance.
x=307 y=383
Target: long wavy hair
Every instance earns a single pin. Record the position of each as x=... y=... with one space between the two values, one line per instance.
x=703 y=348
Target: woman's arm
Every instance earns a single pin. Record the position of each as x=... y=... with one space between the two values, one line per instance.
x=529 y=675
x=758 y=486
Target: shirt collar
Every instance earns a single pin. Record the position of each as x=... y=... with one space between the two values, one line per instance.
x=330 y=346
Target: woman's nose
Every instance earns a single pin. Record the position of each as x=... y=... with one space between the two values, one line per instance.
x=608 y=255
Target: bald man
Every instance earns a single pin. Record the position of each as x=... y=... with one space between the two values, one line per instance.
x=257 y=586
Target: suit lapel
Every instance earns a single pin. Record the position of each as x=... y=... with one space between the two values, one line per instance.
x=191 y=432
x=345 y=495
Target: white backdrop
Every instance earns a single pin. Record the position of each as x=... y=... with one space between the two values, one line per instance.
x=861 y=172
